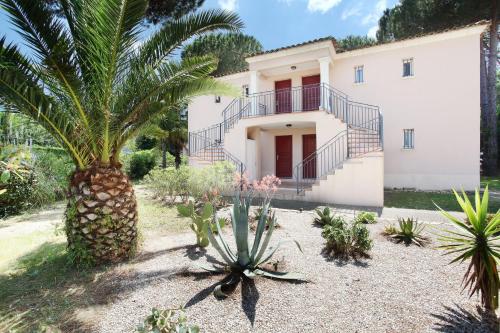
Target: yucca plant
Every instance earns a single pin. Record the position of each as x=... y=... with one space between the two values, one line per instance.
x=93 y=84
x=248 y=259
x=475 y=240
x=409 y=232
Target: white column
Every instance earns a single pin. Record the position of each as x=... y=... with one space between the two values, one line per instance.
x=254 y=89
x=324 y=78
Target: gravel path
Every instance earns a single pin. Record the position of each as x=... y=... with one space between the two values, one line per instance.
x=400 y=289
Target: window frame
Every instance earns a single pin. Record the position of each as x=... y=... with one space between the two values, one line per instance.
x=408 y=138
x=410 y=61
x=356 y=70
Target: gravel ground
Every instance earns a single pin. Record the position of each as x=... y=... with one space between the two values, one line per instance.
x=399 y=289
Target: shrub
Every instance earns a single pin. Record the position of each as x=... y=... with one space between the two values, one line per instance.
x=17 y=188
x=346 y=240
x=167 y=321
x=324 y=217
x=474 y=238
x=145 y=142
x=169 y=183
x=141 y=163
x=216 y=177
x=409 y=232
x=366 y=218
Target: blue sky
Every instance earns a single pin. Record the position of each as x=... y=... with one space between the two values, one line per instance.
x=277 y=23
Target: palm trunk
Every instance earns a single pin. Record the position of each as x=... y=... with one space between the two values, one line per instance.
x=178 y=159
x=164 y=154
x=492 y=157
x=101 y=216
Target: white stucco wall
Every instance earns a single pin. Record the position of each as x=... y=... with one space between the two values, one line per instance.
x=441 y=103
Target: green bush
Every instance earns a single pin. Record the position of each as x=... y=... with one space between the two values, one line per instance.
x=145 y=142
x=141 y=163
x=167 y=321
x=366 y=218
x=216 y=177
x=346 y=239
x=169 y=183
x=17 y=189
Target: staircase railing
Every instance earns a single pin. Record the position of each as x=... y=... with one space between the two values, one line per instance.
x=355 y=141
x=364 y=122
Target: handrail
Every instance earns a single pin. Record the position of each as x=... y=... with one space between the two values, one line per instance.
x=356 y=115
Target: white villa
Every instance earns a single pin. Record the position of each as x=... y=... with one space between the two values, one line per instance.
x=339 y=126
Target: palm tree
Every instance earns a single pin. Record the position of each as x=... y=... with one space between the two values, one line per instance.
x=93 y=85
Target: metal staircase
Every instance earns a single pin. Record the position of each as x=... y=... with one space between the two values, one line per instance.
x=364 y=133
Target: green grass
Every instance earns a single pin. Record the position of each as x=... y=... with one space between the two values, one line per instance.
x=445 y=200
x=41 y=292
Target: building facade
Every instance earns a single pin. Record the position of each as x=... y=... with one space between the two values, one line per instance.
x=338 y=127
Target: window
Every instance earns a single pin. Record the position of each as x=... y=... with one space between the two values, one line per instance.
x=408 y=138
x=246 y=90
x=358 y=74
x=217 y=99
x=408 y=67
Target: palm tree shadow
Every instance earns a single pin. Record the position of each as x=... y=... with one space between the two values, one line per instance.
x=249 y=298
x=458 y=319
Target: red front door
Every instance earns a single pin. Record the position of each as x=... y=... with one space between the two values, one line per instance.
x=310 y=93
x=283 y=96
x=309 y=148
x=284 y=156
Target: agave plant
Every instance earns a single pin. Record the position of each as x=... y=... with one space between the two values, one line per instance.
x=324 y=217
x=248 y=259
x=475 y=239
x=409 y=232
x=93 y=84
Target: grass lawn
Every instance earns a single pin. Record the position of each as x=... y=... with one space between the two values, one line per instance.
x=445 y=200
x=39 y=291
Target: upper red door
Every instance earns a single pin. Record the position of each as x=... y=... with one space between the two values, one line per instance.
x=308 y=149
x=284 y=156
x=310 y=93
x=283 y=96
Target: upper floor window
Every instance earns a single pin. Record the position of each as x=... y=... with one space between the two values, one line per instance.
x=217 y=99
x=408 y=67
x=359 y=74
x=408 y=138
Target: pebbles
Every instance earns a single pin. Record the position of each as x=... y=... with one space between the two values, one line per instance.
x=400 y=289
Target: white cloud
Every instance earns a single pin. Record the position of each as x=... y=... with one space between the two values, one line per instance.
x=228 y=4
x=349 y=12
x=372 y=32
x=321 y=5
x=375 y=14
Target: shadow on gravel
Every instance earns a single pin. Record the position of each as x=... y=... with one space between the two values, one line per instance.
x=458 y=319
x=360 y=261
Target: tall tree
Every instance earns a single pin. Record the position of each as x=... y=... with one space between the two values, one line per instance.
x=92 y=88
x=158 y=11
x=231 y=49
x=411 y=17
x=352 y=42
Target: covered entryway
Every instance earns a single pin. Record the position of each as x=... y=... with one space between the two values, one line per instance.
x=310 y=92
x=283 y=96
x=308 y=149
x=284 y=156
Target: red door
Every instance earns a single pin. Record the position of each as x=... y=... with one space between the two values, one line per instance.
x=284 y=156
x=308 y=148
x=310 y=93
x=283 y=96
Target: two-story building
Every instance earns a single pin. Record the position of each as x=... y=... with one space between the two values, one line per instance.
x=339 y=126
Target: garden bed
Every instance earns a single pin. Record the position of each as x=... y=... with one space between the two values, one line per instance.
x=399 y=289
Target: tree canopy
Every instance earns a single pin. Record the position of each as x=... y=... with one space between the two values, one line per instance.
x=412 y=17
x=352 y=42
x=230 y=48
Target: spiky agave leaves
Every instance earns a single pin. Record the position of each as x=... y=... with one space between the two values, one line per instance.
x=476 y=239
x=246 y=261
x=409 y=232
